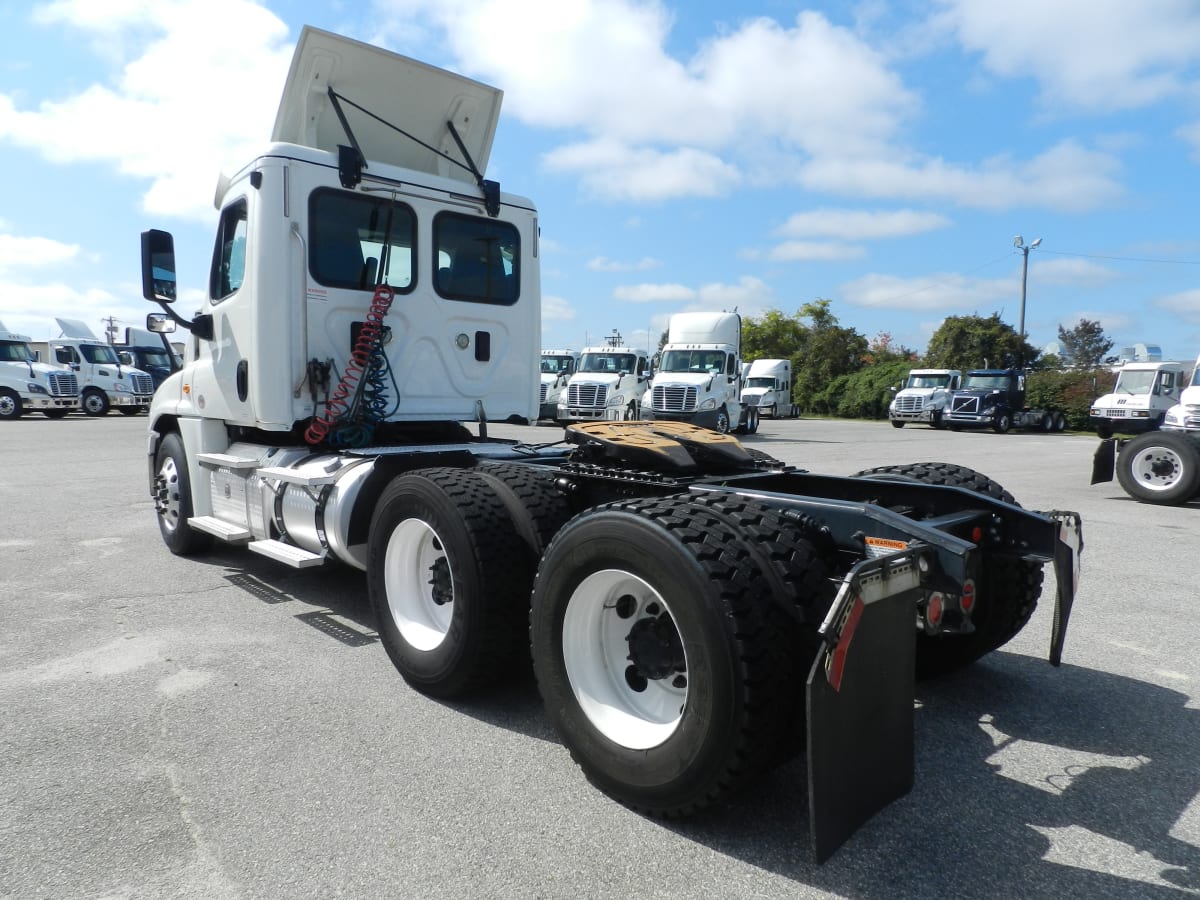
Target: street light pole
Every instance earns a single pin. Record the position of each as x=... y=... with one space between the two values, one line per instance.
x=1019 y=243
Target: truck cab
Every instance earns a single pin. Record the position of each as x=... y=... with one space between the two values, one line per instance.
x=27 y=384
x=1185 y=415
x=767 y=386
x=698 y=377
x=1139 y=400
x=923 y=397
x=104 y=381
x=609 y=384
x=987 y=398
x=557 y=367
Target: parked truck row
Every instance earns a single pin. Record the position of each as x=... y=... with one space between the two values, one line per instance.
x=696 y=612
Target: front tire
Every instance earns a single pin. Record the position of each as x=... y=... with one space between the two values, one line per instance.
x=173 y=500
x=722 y=424
x=448 y=577
x=95 y=403
x=896 y=423
x=55 y=413
x=10 y=405
x=1160 y=467
x=1002 y=423
x=1009 y=587
x=664 y=664
x=129 y=410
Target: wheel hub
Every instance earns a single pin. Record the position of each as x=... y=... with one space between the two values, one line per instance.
x=440 y=582
x=655 y=648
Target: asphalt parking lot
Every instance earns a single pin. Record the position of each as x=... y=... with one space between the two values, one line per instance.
x=225 y=727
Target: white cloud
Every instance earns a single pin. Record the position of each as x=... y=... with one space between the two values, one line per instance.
x=1111 y=322
x=615 y=171
x=956 y=294
x=33 y=252
x=1095 y=55
x=855 y=225
x=187 y=96
x=604 y=264
x=1070 y=271
x=814 y=251
x=1184 y=303
x=556 y=309
x=654 y=293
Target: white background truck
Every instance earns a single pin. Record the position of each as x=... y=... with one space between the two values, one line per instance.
x=698 y=377
x=767 y=386
x=1143 y=393
x=1160 y=466
x=557 y=367
x=27 y=384
x=924 y=397
x=104 y=383
x=686 y=604
x=609 y=384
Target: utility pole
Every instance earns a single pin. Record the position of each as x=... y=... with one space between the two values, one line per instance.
x=110 y=328
x=1019 y=243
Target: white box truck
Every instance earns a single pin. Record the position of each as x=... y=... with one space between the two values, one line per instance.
x=693 y=612
x=608 y=385
x=767 y=386
x=26 y=383
x=557 y=367
x=1139 y=400
x=698 y=377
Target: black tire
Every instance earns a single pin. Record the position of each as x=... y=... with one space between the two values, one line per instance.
x=172 y=494
x=1060 y=422
x=10 y=405
x=675 y=710
x=1009 y=587
x=94 y=402
x=1047 y=422
x=1002 y=423
x=129 y=410
x=754 y=420
x=897 y=424
x=722 y=423
x=1104 y=431
x=55 y=413
x=448 y=577
x=935 y=419
x=1160 y=467
x=538 y=509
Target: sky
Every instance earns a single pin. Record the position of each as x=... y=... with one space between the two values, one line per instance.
x=683 y=156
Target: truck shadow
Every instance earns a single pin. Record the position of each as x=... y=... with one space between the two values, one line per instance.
x=1029 y=781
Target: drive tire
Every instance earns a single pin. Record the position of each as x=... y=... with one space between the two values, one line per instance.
x=722 y=423
x=675 y=721
x=55 y=413
x=1002 y=423
x=537 y=508
x=1161 y=467
x=173 y=504
x=448 y=577
x=1009 y=587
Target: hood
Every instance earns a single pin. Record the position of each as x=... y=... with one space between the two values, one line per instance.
x=1190 y=396
x=691 y=379
x=925 y=391
x=407 y=94
x=1129 y=401
x=604 y=378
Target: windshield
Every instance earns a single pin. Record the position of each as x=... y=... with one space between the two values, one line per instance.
x=15 y=351
x=986 y=382
x=156 y=358
x=613 y=363
x=711 y=362
x=99 y=353
x=767 y=383
x=928 y=381
x=1135 y=382
x=558 y=365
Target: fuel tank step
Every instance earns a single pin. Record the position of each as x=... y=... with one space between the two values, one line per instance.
x=226 y=531
x=288 y=554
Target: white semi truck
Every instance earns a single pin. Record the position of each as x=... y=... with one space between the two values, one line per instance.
x=767 y=386
x=923 y=397
x=104 y=382
x=1139 y=400
x=690 y=607
x=27 y=384
x=608 y=385
x=1160 y=466
x=557 y=367
x=698 y=377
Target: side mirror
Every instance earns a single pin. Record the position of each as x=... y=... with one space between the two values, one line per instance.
x=159 y=324
x=894 y=388
x=158 y=266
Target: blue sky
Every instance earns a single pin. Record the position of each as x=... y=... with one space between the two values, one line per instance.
x=684 y=156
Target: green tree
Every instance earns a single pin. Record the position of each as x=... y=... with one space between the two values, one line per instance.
x=772 y=336
x=967 y=342
x=829 y=351
x=1085 y=344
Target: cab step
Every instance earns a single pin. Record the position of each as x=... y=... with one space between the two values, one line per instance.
x=226 y=531
x=296 y=476
x=288 y=554
x=226 y=461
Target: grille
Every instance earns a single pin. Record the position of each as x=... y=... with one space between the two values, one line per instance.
x=752 y=399
x=673 y=398
x=542 y=397
x=910 y=404
x=965 y=404
x=63 y=384
x=142 y=384
x=586 y=395
x=1113 y=413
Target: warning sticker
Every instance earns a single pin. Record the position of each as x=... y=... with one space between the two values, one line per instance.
x=877 y=546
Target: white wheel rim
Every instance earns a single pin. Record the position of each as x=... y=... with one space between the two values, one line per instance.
x=1157 y=468
x=167 y=497
x=595 y=631
x=413 y=551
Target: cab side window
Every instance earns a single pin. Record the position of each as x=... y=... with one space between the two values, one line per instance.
x=476 y=260
x=358 y=242
x=229 y=255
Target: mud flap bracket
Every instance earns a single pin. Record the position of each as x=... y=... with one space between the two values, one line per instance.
x=860 y=697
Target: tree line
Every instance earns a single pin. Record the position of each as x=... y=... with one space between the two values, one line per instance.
x=840 y=372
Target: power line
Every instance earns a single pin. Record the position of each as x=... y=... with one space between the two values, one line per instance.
x=1146 y=259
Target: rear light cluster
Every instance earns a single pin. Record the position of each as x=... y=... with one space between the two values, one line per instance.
x=949 y=612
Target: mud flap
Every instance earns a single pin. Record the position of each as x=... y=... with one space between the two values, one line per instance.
x=1067 y=549
x=860 y=700
x=1104 y=461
